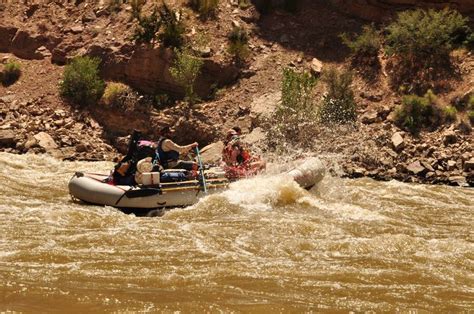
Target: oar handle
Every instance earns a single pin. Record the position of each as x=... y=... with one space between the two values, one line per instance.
x=201 y=170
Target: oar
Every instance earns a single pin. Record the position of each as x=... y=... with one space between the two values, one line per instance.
x=201 y=170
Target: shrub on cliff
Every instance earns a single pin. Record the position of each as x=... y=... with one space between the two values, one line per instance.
x=11 y=73
x=148 y=27
x=365 y=45
x=338 y=105
x=450 y=113
x=185 y=69
x=420 y=42
x=81 y=83
x=115 y=94
x=417 y=112
x=172 y=34
x=238 y=44
x=206 y=8
x=294 y=119
x=296 y=97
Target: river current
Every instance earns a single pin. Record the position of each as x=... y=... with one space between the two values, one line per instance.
x=264 y=245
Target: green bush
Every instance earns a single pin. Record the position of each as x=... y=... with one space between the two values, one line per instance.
x=238 y=44
x=148 y=27
x=115 y=93
x=367 y=44
x=425 y=35
x=185 y=70
x=338 y=105
x=417 y=112
x=420 y=43
x=172 y=34
x=81 y=82
x=11 y=73
x=450 y=113
x=294 y=118
x=296 y=96
x=206 y=8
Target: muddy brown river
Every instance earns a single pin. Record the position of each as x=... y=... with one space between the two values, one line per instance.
x=265 y=245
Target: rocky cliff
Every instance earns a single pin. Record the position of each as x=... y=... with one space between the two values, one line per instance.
x=43 y=37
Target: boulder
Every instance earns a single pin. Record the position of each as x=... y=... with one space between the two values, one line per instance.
x=204 y=52
x=384 y=112
x=43 y=51
x=45 y=141
x=450 y=165
x=146 y=69
x=449 y=138
x=358 y=172
x=257 y=135
x=458 y=181
x=89 y=16
x=469 y=165
x=81 y=147
x=6 y=36
x=212 y=153
x=76 y=29
x=316 y=66
x=7 y=99
x=369 y=117
x=30 y=143
x=398 y=142
x=371 y=97
x=416 y=168
x=427 y=165
x=7 y=138
x=24 y=44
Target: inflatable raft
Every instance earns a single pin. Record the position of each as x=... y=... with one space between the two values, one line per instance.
x=93 y=188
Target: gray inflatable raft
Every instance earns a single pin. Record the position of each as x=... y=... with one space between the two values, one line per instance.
x=92 y=188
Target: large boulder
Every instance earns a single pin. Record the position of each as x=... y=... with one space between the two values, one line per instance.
x=212 y=153
x=416 y=168
x=45 y=141
x=257 y=135
x=25 y=45
x=398 y=142
x=7 y=138
x=147 y=69
x=6 y=36
x=469 y=165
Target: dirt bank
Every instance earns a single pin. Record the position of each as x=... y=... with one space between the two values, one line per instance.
x=42 y=37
